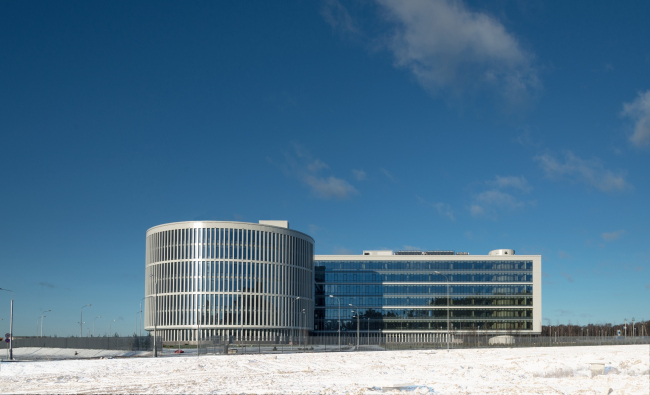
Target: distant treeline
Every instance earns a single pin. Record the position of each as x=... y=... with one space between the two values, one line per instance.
x=639 y=328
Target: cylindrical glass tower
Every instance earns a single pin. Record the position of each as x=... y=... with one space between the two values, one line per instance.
x=228 y=279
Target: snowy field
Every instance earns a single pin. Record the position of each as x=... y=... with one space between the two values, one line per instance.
x=563 y=370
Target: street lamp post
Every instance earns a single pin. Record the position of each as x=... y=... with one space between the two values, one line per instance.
x=448 y=331
x=358 y=320
x=368 y=319
x=155 y=316
x=99 y=316
x=141 y=315
x=81 y=320
x=332 y=296
x=110 y=328
x=302 y=330
x=43 y=316
x=11 y=324
x=293 y=318
x=241 y=314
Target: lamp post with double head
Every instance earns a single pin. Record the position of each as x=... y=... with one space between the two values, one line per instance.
x=358 y=318
x=11 y=324
x=99 y=316
x=81 y=320
x=448 y=328
x=43 y=316
x=332 y=296
x=110 y=328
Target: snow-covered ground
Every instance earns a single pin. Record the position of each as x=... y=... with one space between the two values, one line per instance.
x=470 y=371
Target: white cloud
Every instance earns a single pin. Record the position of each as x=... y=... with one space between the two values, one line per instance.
x=588 y=171
x=444 y=44
x=476 y=210
x=331 y=187
x=489 y=202
x=511 y=182
x=497 y=198
x=611 y=236
x=303 y=166
x=639 y=112
x=360 y=175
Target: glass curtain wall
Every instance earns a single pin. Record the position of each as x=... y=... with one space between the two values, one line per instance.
x=409 y=296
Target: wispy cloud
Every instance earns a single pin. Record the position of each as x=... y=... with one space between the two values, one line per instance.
x=489 y=202
x=611 y=236
x=519 y=183
x=444 y=44
x=338 y=17
x=388 y=174
x=302 y=165
x=313 y=229
x=587 y=171
x=526 y=140
x=411 y=248
x=330 y=187
x=567 y=276
x=360 y=175
x=476 y=210
x=647 y=286
x=46 y=284
x=639 y=112
x=564 y=255
x=499 y=199
x=443 y=209
x=342 y=251
x=317 y=165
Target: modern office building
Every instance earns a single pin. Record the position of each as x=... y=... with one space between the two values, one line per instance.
x=229 y=279
x=403 y=295
x=262 y=281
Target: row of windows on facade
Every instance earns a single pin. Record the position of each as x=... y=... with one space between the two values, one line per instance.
x=424 y=265
x=337 y=290
x=230 y=310
x=351 y=326
x=411 y=314
x=220 y=276
x=325 y=301
x=415 y=277
x=224 y=243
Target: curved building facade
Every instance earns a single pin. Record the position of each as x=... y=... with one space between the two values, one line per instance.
x=228 y=279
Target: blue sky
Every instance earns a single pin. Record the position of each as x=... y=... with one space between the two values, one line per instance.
x=469 y=126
